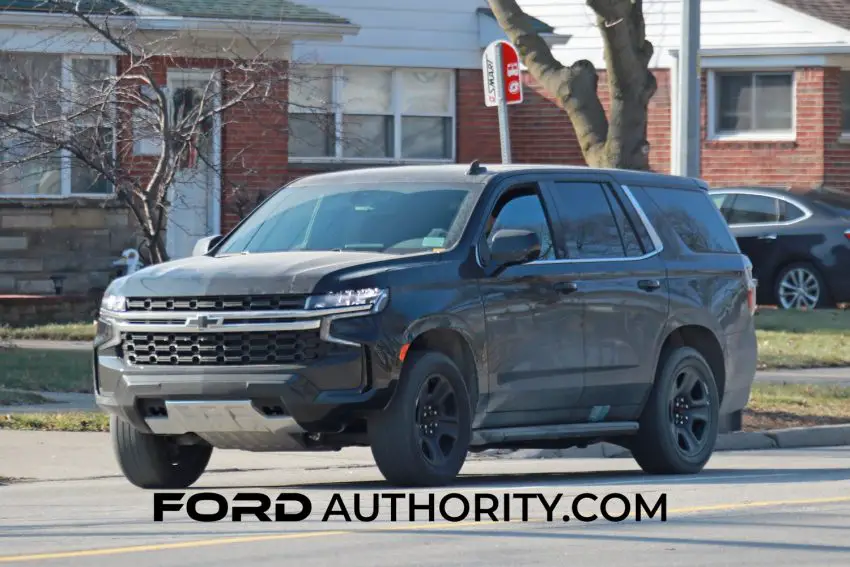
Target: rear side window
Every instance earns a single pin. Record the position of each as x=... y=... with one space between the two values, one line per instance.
x=695 y=218
x=595 y=224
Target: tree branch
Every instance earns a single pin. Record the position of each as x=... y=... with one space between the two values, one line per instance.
x=574 y=87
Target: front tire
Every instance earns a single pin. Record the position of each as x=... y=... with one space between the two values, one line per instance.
x=154 y=461
x=679 y=426
x=422 y=438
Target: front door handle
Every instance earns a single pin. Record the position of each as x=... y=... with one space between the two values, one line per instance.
x=649 y=285
x=768 y=237
x=566 y=287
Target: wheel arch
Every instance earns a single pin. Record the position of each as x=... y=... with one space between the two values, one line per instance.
x=703 y=340
x=450 y=337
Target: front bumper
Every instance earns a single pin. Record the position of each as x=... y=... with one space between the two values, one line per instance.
x=247 y=406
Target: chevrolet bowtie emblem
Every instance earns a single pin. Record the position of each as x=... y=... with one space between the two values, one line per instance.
x=202 y=321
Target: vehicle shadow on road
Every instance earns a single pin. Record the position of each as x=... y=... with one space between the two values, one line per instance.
x=584 y=479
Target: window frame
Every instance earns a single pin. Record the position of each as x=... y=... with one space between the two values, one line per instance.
x=336 y=111
x=713 y=108
x=622 y=196
x=807 y=212
x=65 y=156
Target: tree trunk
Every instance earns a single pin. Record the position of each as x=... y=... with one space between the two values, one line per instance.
x=618 y=140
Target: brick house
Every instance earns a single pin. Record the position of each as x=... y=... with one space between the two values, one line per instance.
x=406 y=82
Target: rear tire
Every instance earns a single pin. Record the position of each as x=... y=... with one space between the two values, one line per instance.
x=679 y=426
x=422 y=437
x=800 y=285
x=154 y=461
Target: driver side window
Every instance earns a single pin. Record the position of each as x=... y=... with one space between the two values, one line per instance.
x=522 y=210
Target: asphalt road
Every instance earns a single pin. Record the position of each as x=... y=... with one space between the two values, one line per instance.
x=771 y=508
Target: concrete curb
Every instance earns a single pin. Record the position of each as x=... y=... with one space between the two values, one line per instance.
x=793 y=438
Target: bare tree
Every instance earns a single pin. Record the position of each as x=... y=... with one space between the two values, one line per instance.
x=619 y=139
x=103 y=116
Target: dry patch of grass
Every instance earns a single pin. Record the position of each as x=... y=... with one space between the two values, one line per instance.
x=60 y=421
x=777 y=406
x=67 y=332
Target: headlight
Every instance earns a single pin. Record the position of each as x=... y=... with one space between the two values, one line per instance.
x=114 y=303
x=348 y=298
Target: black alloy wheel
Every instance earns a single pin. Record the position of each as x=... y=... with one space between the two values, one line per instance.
x=437 y=419
x=422 y=437
x=690 y=416
x=679 y=424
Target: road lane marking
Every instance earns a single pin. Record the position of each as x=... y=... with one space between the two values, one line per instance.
x=330 y=533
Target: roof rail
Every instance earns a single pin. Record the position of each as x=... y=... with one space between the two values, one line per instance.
x=475 y=168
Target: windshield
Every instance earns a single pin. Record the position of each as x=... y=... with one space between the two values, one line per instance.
x=397 y=219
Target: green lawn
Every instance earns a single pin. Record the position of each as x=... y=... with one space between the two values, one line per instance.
x=803 y=339
x=46 y=370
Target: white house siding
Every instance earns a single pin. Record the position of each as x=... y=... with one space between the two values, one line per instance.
x=725 y=23
x=401 y=33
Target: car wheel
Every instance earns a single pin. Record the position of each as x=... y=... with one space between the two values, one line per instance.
x=800 y=286
x=155 y=461
x=422 y=437
x=679 y=426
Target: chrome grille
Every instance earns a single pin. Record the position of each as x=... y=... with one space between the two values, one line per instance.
x=223 y=349
x=218 y=303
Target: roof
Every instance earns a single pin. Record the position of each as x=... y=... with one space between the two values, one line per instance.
x=461 y=173
x=260 y=10
x=835 y=12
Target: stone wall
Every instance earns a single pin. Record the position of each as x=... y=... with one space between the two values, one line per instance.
x=75 y=238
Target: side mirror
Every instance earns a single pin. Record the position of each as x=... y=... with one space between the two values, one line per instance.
x=205 y=244
x=511 y=247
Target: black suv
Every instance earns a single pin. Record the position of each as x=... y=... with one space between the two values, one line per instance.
x=429 y=311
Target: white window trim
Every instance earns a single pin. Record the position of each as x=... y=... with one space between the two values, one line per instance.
x=336 y=90
x=65 y=155
x=751 y=136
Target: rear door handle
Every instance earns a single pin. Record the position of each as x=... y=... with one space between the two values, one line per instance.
x=768 y=237
x=649 y=285
x=566 y=287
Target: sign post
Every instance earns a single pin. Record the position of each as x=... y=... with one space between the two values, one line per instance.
x=502 y=86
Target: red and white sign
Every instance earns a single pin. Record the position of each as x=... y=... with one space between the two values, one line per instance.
x=501 y=54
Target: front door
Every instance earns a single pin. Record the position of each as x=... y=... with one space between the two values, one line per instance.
x=533 y=324
x=623 y=285
x=193 y=195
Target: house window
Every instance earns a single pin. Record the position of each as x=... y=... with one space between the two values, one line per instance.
x=759 y=104
x=372 y=114
x=44 y=90
x=845 y=103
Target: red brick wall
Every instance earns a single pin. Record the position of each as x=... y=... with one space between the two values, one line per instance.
x=542 y=133
x=799 y=164
x=836 y=152
x=254 y=141
x=540 y=130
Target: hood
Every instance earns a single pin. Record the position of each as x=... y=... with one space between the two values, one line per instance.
x=294 y=273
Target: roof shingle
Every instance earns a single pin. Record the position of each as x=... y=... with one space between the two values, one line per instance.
x=835 y=12
x=258 y=10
